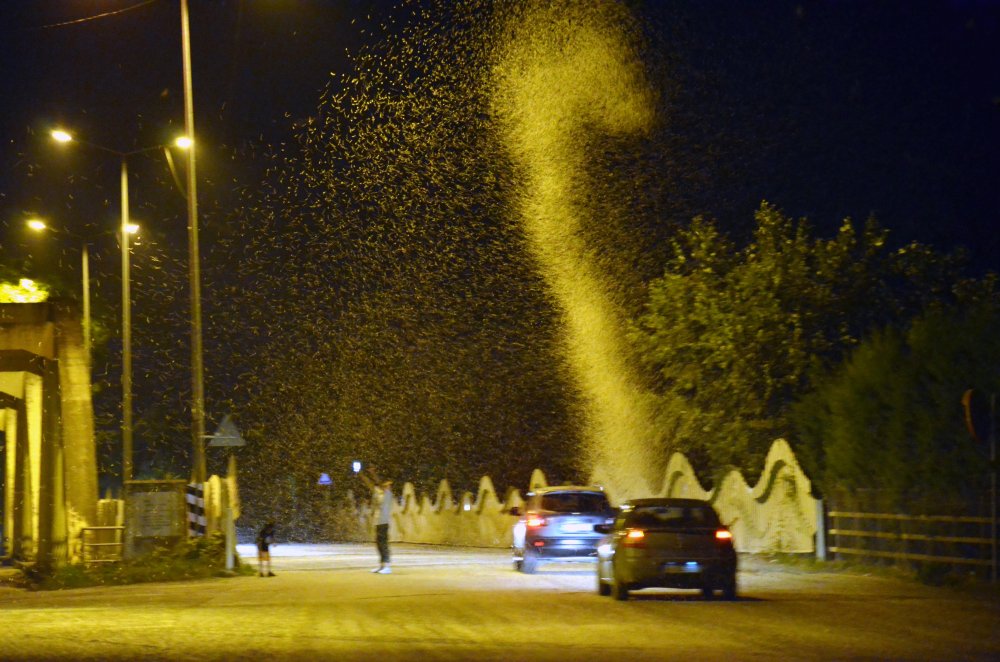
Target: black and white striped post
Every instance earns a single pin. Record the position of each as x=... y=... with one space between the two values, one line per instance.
x=196 y=509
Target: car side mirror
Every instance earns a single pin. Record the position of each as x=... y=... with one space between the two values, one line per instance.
x=515 y=511
x=603 y=528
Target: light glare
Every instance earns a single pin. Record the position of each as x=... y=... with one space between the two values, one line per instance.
x=131 y=228
x=36 y=224
x=61 y=136
x=183 y=142
x=26 y=291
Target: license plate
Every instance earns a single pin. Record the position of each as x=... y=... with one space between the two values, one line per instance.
x=681 y=568
x=577 y=527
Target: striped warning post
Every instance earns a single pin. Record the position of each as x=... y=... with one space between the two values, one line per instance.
x=196 y=509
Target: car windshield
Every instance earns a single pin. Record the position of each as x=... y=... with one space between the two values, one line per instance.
x=575 y=502
x=672 y=517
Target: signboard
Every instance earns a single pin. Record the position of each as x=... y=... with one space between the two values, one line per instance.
x=156 y=514
x=227 y=434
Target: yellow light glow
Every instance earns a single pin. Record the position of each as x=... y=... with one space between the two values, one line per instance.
x=183 y=142
x=61 y=136
x=132 y=228
x=36 y=224
x=26 y=291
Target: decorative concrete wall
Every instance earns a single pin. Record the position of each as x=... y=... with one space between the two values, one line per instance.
x=777 y=514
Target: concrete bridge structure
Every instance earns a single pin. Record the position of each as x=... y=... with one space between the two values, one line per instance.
x=48 y=465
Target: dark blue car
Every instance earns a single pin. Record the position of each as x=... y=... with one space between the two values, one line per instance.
x=673 y=543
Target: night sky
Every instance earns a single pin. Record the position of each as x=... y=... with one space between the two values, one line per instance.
x=116 y=81
x=827 y=109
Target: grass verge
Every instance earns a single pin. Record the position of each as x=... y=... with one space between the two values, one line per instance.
x=195 y=558
x=929 y=574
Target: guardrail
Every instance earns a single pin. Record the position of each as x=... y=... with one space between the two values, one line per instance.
x=95 y=545
x=963 y=541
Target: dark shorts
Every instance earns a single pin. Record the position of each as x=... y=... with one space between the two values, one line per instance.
x=262 y=549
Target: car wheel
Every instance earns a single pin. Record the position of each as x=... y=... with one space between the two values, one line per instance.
x=529 y=562
x=602 y=588
x=729 y=588
x=619 y=590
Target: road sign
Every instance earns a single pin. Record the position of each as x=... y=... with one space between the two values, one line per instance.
x=227 y=434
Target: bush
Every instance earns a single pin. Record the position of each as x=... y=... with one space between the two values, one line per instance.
x=194 y=558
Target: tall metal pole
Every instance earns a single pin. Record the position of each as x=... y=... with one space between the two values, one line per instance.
x=85 y=275
x=194 y=268
x=126 y=335
x=993 y=485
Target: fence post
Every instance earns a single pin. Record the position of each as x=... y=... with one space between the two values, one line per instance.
x=821 y=530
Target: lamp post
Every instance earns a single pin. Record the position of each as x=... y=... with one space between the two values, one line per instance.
x=194 y=267
x=38 y=225
x=127 y=228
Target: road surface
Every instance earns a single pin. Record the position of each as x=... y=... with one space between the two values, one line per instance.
x=465 y=604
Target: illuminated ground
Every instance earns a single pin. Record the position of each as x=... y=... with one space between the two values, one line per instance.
x=468 y=604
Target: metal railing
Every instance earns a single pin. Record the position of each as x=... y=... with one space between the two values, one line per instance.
x=937 y=539
x=102 y=544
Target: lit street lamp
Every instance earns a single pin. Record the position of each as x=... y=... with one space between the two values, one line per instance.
x=126 y=228
x=38 y=225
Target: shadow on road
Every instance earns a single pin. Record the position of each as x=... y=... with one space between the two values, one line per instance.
x=686 y=597
x=566 y=571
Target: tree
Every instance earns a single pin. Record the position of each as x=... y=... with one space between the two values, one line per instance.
x=890 y=417
x=731 y=337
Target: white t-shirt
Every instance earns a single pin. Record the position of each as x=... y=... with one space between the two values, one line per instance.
x=384 y=497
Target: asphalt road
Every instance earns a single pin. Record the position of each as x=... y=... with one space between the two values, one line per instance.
x=463 y=604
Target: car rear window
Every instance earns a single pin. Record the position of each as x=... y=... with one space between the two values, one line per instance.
x=575 y=502
x=673 y=517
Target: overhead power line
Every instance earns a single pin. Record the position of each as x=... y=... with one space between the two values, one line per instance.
x=96 y=16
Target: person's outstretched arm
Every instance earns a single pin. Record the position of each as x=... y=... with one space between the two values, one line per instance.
x=369 y=480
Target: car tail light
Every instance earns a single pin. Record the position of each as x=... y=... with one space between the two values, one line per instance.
x=724 y=535
x=634 y=538
x=535 y=520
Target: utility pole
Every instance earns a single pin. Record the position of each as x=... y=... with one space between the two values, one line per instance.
x=85 y=277
x=993 y=485
x=194 y=266
x=126 y=334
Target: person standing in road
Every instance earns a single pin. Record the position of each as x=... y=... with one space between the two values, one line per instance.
x=265 y=538
x=382 y=501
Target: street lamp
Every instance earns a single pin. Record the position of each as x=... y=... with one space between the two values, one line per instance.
x=39 y=225
x=127 y=228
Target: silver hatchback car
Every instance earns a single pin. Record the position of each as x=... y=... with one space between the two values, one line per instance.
x=557 y=525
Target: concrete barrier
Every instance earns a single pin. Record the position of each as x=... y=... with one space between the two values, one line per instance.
x=776 y=514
